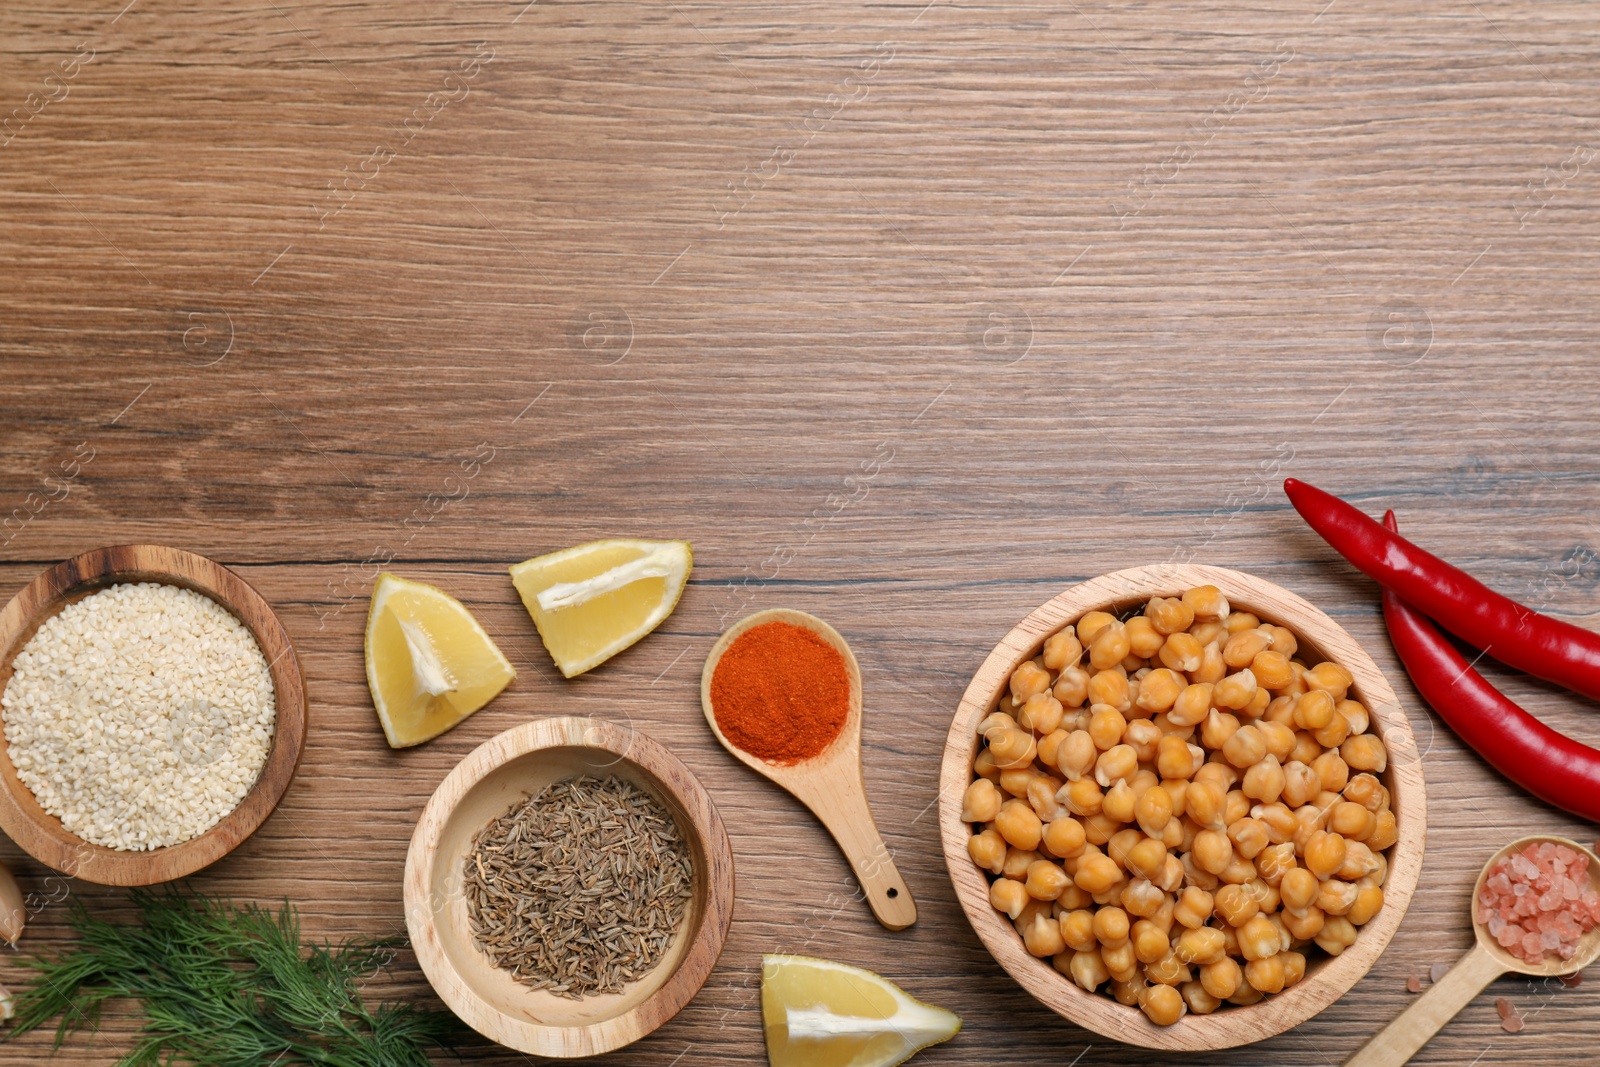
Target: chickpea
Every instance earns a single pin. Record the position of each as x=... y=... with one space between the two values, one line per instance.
x=1016 y=780
x=1324 y=854
x=1212 y=851
x=1279 y=739
x=1270 y=668
x=1352 y=820
x=1192 y=706
x=1305 y=924
x=1092 y=625
x=1264 y=781
x=1200 y=945
x=1298 y=888
x=1246 y=996
x=1280 y=709
x=1300 y=784
x=1072 y=899
x=1306 y=750
x=1017 y=862
x=1259 y=938
x=1235 y=905
x=1249 y=836
x=1110 y=688
x=1181 y=652
x=1111 y=926
x=981 y=803
x=1072 y=687
x=1333 y=735
x=1243 y=646
x=1012 y=747
x=1369 y=900
x=1168 y=970
x=1096 y=874
x=1331 y=679
x=1356 y=714
x=1235 y=806
x=1142 y=898
x=1246 y=747
x=1099 y=827
x=1208 y=631
x=1009 y=896
x=1172 y=875
x=1144 y=640
x=1294 y=967
x=1176 y=758
x=1019 y=825
x=1205 y=803
x=1121 y=964
x=1193 y=907
x=1050 y=747
x=1089 y=970
x=1276 y=861
x=1062 y=649
x=1335 y=897
x=1314 y=710
x=1217 y=729
x=1384 y=831
x=1041 y=714
x=1075 y=755
x=1265 y=895
x=1121 y=844
x=1359 y=861
x=988 y=850
x=1367 y=791
x=1082 y=797
x=1338 y=934
x=1278 y=820
x=1127 y=993
x=1207 y=602
x=1153 y=810
x=1332 y=771
x=1223 y=978
x=1109 y=646
x=1042 y=937
x=1212 y=669
x=1064 y=837
x=1118 y=763
x=984 y=766
x=1242 y=620
x=1159 y=690
x=1162 y=1004
x=1168 y=615
x=1077 y=929
x=1267 y=974
x=1106 y=726
x=1028 y=679
x=1149 y=941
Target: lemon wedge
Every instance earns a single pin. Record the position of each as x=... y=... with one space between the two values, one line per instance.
x=817 y=1013
x=429 y=663
x=593 y=601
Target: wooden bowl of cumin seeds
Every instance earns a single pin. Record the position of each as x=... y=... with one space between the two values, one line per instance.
x=568 y=887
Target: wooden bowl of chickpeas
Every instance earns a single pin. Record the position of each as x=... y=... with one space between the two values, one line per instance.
x=1182 y=807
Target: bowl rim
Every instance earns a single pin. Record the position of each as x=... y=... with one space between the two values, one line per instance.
x=692 y=968
x=41 y=834
x=1237 y=1025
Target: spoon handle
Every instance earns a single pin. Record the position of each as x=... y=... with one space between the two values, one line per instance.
x=839 y=800
x=1396 y=1043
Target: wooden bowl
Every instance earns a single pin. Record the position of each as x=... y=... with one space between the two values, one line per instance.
x=41 y=834
x=492 y=778
x=1327 y=978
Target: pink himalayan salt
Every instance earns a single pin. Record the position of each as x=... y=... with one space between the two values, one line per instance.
x=1539 y=902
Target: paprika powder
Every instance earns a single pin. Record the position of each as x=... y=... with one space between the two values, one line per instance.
x=781 y=693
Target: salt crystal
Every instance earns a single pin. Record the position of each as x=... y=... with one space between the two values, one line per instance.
x=1513 y=1025
x=1504 y=1007
x=1438 y=971
x=1413 y=984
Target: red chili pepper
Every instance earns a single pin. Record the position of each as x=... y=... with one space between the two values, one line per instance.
x=1547 y=764
x=1512 y=633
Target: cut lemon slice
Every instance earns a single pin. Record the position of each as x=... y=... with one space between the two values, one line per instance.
x=429 y=663
x=593 y=601
x=817 y=1013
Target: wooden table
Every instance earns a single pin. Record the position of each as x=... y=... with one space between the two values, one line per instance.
x=907 y=314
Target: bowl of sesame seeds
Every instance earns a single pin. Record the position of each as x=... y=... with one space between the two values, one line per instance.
x=152 y=714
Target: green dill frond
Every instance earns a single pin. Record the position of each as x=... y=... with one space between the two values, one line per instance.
x=228 y=985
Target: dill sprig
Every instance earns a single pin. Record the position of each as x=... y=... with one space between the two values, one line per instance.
x=228 y=985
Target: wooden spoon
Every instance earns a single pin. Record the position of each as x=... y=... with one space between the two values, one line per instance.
x=830 y=784
x=1399 y=1041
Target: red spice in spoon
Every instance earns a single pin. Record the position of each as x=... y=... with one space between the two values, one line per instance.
x=781 y=693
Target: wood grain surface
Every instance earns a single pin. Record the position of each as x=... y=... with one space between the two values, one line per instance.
x=907 y=314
